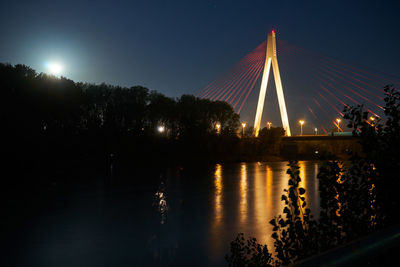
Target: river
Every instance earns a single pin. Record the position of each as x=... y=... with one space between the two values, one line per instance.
x=185 y=217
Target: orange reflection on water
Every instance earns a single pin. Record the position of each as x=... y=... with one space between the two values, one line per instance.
x=303 y=184
x=246 y=197
x=218 y=193
x=269 y=184
x=243 y=193
x=276 y=182
x=262 y=195
x=217 y=220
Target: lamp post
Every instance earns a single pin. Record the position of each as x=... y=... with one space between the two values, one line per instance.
x=269 y=125
x=338 y=124
x=316 y=131
x=243 y=126
x=218 y=127
x=301 y=126
x=372 y=119
x=161 y=129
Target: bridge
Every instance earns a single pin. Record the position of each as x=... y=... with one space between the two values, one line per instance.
x=316 y=87
x=319 y=146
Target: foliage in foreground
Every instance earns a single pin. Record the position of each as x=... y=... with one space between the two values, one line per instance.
x=294 y=231
x=355 y=200
x=249 y=253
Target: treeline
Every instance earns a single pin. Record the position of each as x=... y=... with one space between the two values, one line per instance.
x=48 y=120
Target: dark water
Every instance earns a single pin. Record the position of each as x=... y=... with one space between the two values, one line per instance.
x=181 y=217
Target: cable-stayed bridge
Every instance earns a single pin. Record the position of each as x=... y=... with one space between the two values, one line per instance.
x=309 y=86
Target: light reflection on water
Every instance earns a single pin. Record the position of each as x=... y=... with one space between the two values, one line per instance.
x=160 y=203
x=243 y=194
x=215 y=241
x=218 y=193
x=258 y=187
x=195 y=215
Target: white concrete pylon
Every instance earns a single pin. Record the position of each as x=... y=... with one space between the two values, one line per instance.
x=271 y=59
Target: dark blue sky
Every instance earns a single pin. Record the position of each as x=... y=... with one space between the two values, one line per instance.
x=177 y=47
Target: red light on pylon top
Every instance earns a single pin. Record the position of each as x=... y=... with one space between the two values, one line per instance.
x=273 y=31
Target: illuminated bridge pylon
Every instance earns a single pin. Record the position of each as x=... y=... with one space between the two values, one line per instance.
x=271 y=59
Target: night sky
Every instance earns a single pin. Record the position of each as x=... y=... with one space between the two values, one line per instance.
x=178 y=47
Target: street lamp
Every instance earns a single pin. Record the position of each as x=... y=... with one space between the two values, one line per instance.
x=269 y=125
x=301 y=126
x=316 y=131
x=338 y=123
x=218 y=127
x=372 y=119
x=243 y=126
x=160 y=129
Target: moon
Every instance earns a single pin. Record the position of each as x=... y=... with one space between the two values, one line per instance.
x=55 y=68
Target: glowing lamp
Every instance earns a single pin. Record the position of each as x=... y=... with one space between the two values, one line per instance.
x=161 y=129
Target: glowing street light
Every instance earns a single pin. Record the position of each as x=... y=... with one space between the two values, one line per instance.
x=372 y=119
x=316 y=131
x=301 y=126
x=269 y=125
x=338 y=124
x=218 y=127
x=243 y=126
x=161 y=129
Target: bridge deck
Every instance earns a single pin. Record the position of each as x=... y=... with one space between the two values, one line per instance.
x=313 y=146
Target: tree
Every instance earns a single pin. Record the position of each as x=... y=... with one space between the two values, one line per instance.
x=271 y=135
x=380 y=142
x=223 y=113
x=161 y=110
